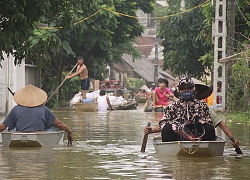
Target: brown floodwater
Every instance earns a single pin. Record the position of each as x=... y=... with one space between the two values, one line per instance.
x=107 y=146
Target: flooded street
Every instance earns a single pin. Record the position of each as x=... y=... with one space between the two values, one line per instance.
x=107 y=146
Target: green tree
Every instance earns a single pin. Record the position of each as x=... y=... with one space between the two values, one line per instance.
x=85 y=28
x=17 y=19
x=182 y=44
x=239 y=92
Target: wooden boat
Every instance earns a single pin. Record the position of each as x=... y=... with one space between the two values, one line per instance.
x=128 y=106
x=32 y=139
x=140 y=99
x=86 y=107
x=204 y=148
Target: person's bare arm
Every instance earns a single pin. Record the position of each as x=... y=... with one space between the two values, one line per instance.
x=78 y=72
x=149 y=130
x=2 y=127
x=109 y=104
x=229 y=133
x=154 y=99
x=59 y=124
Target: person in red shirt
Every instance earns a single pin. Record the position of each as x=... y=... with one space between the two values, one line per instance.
x=161 y=95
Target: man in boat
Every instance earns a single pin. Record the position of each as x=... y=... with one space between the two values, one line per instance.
x=82 y=71
x=29 y=115
x=201 y=92
x=103 y=101
x=162 y=94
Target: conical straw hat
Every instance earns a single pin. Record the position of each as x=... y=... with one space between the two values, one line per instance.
x=202 y=91
x=30 y=96
x=144 y=87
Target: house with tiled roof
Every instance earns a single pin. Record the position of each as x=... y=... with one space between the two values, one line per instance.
x=144 y=68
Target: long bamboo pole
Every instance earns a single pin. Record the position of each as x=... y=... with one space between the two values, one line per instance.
x=60 y=85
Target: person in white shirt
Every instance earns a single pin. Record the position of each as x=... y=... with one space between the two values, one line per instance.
x=103 y=101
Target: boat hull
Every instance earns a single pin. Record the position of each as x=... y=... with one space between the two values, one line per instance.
x=86 y=107
x=32 y=139
x=204 y=148
x=129 y=106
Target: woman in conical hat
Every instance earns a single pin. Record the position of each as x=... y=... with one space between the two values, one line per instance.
x=30 y=115
x=186 y=109
x=202 y=91
x=30 y=96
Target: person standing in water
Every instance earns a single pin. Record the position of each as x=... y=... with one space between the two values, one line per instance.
x=82 y=71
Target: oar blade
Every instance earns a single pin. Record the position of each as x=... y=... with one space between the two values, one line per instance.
x=238 y=150
x=145 y=139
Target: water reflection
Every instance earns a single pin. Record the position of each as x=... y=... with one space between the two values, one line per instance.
x=107 y=146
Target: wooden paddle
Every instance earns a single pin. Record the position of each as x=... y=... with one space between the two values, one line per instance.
x=145 y=139
x=237 y=149
x=60 y=84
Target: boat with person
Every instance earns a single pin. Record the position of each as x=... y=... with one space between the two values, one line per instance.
x=85 y=105
x=140 y=99
x=141 y=96
x=201 y=148
x=32 y=139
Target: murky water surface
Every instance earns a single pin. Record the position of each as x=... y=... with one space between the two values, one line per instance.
x=107 y=146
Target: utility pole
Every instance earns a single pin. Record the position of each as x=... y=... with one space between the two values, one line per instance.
x=156 y=55
x=182 y=5
x=220 y=34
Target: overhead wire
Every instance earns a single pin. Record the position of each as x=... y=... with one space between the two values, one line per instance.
x=162 y=17
x=130 y=16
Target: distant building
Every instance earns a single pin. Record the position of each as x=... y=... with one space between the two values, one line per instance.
x=141 y=68
x=146 y=44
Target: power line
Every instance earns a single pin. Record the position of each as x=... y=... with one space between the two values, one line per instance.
x=129 y=16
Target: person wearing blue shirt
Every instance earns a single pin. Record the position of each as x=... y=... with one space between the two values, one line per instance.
x=29 y=115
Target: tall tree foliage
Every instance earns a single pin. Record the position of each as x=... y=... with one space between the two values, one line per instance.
x=239 y=92
x=93 y=29
x=17 y=18
x=182 y=44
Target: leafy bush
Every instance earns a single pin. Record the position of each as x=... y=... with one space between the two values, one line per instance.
x=239 y=90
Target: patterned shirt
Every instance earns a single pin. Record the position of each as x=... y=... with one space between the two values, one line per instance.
x=180 y=112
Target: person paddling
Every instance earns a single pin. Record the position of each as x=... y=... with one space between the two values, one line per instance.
x=82 y=71
x=202 y=91
x=29 y=115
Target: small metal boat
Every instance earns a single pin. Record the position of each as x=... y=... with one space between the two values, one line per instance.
x=86 y=107
x=201 y=148
x=32 y=139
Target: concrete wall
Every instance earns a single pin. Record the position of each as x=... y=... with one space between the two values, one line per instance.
x=32 y=75
x=13 y=77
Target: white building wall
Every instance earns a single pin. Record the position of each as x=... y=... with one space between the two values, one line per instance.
x=13 y=77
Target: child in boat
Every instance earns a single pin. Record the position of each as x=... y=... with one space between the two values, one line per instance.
x=162 y=94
